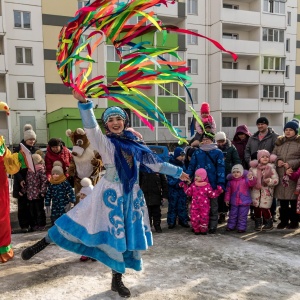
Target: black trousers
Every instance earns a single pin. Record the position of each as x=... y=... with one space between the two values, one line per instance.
x=24 y=215
x=37 y=212
x=288 y=211
x=154 y=214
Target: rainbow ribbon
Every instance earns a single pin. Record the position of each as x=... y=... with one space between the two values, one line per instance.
x=139 y=70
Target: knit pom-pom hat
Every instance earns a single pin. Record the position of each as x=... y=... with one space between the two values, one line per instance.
x=87 y=186
x=57 y=168
x=37 y=159
x=28 y=132
x=264 y=152
x=239 y=168
x=205 y=108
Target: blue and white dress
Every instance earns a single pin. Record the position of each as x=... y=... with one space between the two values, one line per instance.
x=109 y=225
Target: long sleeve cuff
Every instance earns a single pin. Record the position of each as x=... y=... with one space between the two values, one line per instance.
x=171 y=170
x=87 y=115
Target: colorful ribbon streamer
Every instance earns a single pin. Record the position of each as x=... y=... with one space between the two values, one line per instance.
x=139 y=70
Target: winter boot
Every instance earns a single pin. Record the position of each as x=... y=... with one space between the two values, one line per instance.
x=258 y=224
x=117 y=285
x=221 y=219
x=158 y=228
x=34 y=249
x=268 y=225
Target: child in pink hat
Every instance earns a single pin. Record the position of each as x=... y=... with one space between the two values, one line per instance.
x=201 y=192
x=206 y=118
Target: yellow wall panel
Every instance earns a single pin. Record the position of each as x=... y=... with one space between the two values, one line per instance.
x=297 y=108
x=51 y=74
x=54 y=102
x=51 y=34
x=59 y=7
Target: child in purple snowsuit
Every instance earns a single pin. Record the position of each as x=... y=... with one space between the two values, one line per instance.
x=238 y=195
x=201 y=192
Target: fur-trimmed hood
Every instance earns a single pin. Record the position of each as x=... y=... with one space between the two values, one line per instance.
x=282 y=139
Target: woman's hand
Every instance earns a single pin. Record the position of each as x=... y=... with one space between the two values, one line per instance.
x=184 y=177
x=78 y=96
x=280 y=163
x=289 y=171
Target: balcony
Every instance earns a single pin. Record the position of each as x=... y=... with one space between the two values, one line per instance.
x=2 y=64
x=270 y=20
x=272 y=77
x=170 y=11
x=271 y=105
x=248 y=19
x=1 y=26
x=240 y=104
x=241 y=46
x=240 y=76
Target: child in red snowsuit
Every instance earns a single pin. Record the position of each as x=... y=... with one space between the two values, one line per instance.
x=200 y=191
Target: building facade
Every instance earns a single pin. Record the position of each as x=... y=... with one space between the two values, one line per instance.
x=261 y=83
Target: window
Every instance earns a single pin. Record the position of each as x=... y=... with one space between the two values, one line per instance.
x=112 y=54
x=192 y=7
x=23 y=55
x=169 y=57
x=170 y=89
x=289 y=18
x=274 y=63
x=287 y=45
x=229 y=65
x=230 y=6
x=273 y=91
x=192 y=39
x=286 y=97
x=273 y=35
x=25 y=90
x=194 y=94
x=82 y=4
x=274 y=6
x=231 y=36
x=193 y=66
x=287 y=71
x=229 y=93
x=176 y=119
x=22 y=19
x=229 y=122
x=136 y=121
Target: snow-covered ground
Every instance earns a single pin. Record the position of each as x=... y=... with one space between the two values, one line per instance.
x=180 y=265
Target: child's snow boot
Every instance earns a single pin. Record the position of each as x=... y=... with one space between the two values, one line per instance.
x=258 y=224
x=117 y=285
x=268 y=225
x=34 y=249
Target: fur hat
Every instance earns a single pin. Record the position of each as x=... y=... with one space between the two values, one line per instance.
x=292 y=125
x=202 y=173
x=87 y=186
x=238 y=167
x=178 y=152
x=28 y=132
x=220 y=136
x=204 y=108
x=262 y=120
x=57 y=168
x=37 y=159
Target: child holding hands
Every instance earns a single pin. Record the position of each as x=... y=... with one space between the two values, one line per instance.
x=238 y=195
x=201 y=192
x=264 y=172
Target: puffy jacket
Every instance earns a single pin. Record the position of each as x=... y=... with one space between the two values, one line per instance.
x=21 y=175
x=254 y=144
x=64 y=156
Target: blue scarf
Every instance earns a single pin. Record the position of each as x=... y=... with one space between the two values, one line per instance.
x=127 y=153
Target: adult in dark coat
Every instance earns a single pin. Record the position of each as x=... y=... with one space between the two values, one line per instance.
x=155 y=189
x=26 y=222
x=240 y=141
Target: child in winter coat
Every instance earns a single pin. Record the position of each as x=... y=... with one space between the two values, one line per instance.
x=60 y=193
x=264 y=172
x=205 y=117
x=295 y=176
x=36 y=188
x=201 y=192
x=238 y=195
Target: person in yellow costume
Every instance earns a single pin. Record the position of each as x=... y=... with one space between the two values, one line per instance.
x=9 y=163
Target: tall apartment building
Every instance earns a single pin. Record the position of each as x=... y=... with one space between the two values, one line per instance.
x=297 y=80
x=260 y=83
x=22 y=82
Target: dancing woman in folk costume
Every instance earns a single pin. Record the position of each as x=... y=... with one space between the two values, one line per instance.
x=112 y=225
